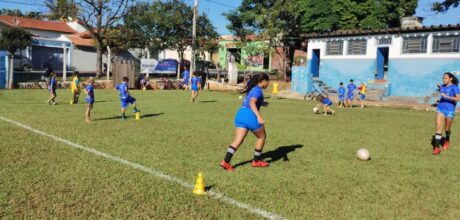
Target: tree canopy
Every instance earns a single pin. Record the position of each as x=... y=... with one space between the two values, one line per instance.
x=443 y=6
x=13 y=39
x=18 y=13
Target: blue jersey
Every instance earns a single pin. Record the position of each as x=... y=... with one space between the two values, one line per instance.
x=351 y=87
x=186 y=75
x=123 y=89
x=256 y=93
x=52 y=83
x=327 y=101
x=90 y=90
x=341 y=91
x=447 y=104
x=195 y=81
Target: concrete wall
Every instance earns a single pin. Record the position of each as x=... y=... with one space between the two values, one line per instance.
x=408 y=74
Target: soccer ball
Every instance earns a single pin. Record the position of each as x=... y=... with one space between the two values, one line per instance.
x=240 y=97
x=363 y=154
x=315 y=110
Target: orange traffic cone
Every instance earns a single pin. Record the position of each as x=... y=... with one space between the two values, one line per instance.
x=199 y=185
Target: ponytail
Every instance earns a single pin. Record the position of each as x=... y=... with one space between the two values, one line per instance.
x=254 y=81
x=454 y=78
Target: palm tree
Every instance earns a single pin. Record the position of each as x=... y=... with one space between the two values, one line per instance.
x=62 y=9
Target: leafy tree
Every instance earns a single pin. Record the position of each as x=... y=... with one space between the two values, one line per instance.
x=62 y=9
x=443 y=6
x=18 y=13
x=99 y=16
x=13 y=39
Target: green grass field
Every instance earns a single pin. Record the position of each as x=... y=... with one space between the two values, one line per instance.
x=314 y=172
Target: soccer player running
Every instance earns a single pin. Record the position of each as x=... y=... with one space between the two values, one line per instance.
x=186 y=74
x=341 y=93
x=52 y=88
x=362 y=94
x=89 y=90
x=125 y=98
x=249 y=118
x=196 y=86
x=350 y=93
x=445 y=113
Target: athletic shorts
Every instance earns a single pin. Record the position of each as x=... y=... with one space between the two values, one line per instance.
x=53 y=91
x=245 y=118
x=447 y=114
x=341 y=98
x=127 y=101
x=362 y=96
x=195 y=88
x=350 y=97
x=90 y=102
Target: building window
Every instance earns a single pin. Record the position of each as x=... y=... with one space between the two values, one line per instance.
x=384 y=41
x=446 y=44
x=334 y=48
x=414 y=44
x=357 y=47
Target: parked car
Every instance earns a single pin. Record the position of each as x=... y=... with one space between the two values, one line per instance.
x=22 y=63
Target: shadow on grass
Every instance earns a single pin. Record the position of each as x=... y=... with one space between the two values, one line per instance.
x=129 y=116
x=210 y=101
x=275 y=155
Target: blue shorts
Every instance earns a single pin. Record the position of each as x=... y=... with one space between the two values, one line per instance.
x=362 y=96
x=447 y=114
x=53 y=91
x=127 y=101
x=341 y=98
x=246 y=119
x=350 y=97
x=89 y=100
x=195 y=88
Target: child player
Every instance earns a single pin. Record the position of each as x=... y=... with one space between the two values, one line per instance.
x=350 y=93
x=445 y=113
x=89 y=90
x=341 y=93
x=326 y=103
x=362 y=93
x=275 y=90
x=249 y=118
x=52 y=88
x=75 y=87
x=196 y=86
x=186 y=74
x=125 y=98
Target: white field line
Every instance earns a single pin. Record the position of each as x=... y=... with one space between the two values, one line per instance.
x=157 y=173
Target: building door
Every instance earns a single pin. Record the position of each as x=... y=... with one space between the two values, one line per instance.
x=314 y=63
x=382 y=62
x=3 y=58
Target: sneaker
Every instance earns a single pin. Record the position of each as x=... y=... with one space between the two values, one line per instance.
x=136 y=110
x=226 y=166
x=260 y=163
x=123 y=117
x=436 y=151
x=446 y=145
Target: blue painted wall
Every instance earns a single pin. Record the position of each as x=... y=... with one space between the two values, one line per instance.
x=302 y=81
x=2 y=69
x=334 y=71
x=418 y=77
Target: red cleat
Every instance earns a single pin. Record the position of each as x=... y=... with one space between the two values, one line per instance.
x=436 y=150
x=446 y=145
x=226 y=166
x=260 y=163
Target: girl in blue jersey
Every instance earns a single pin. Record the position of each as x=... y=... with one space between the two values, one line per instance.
x=350 y=93
x=326 y=103
x=125 y=98
x=52 y=88
x=89 y=90
x=341 y=93
x=445 y=113
x=195 y=86
x=249 y=118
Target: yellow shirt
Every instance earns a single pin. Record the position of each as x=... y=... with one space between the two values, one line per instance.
x=363 y=89
x=75 y=84
x=275 y=88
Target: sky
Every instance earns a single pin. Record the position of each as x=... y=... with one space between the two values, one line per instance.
x=215 y=8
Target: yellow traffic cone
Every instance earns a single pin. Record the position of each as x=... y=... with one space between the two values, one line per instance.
x=199 y=185
x=138 y=116
x=71 y=102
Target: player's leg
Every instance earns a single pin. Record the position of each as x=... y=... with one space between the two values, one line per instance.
x=260 y=143
x=437 y=138
x=325 y=109
x=448 y=124
x=240 y=135
x=88 y=113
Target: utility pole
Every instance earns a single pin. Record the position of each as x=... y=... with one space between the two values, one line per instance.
x=192 y=65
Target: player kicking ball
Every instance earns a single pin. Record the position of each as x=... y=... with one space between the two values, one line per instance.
x=125 y=98
x=445 y=113
x=326 y=103
x=249 y=118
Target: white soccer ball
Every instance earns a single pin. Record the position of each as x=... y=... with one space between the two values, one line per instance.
x=240 y=97
x=315 y=110
x=363 y=154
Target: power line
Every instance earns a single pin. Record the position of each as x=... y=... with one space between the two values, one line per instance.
x=22 y=3
x=221 y=4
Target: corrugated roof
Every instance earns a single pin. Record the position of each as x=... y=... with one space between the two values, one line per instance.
x=57 y=26
x=342 y=33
